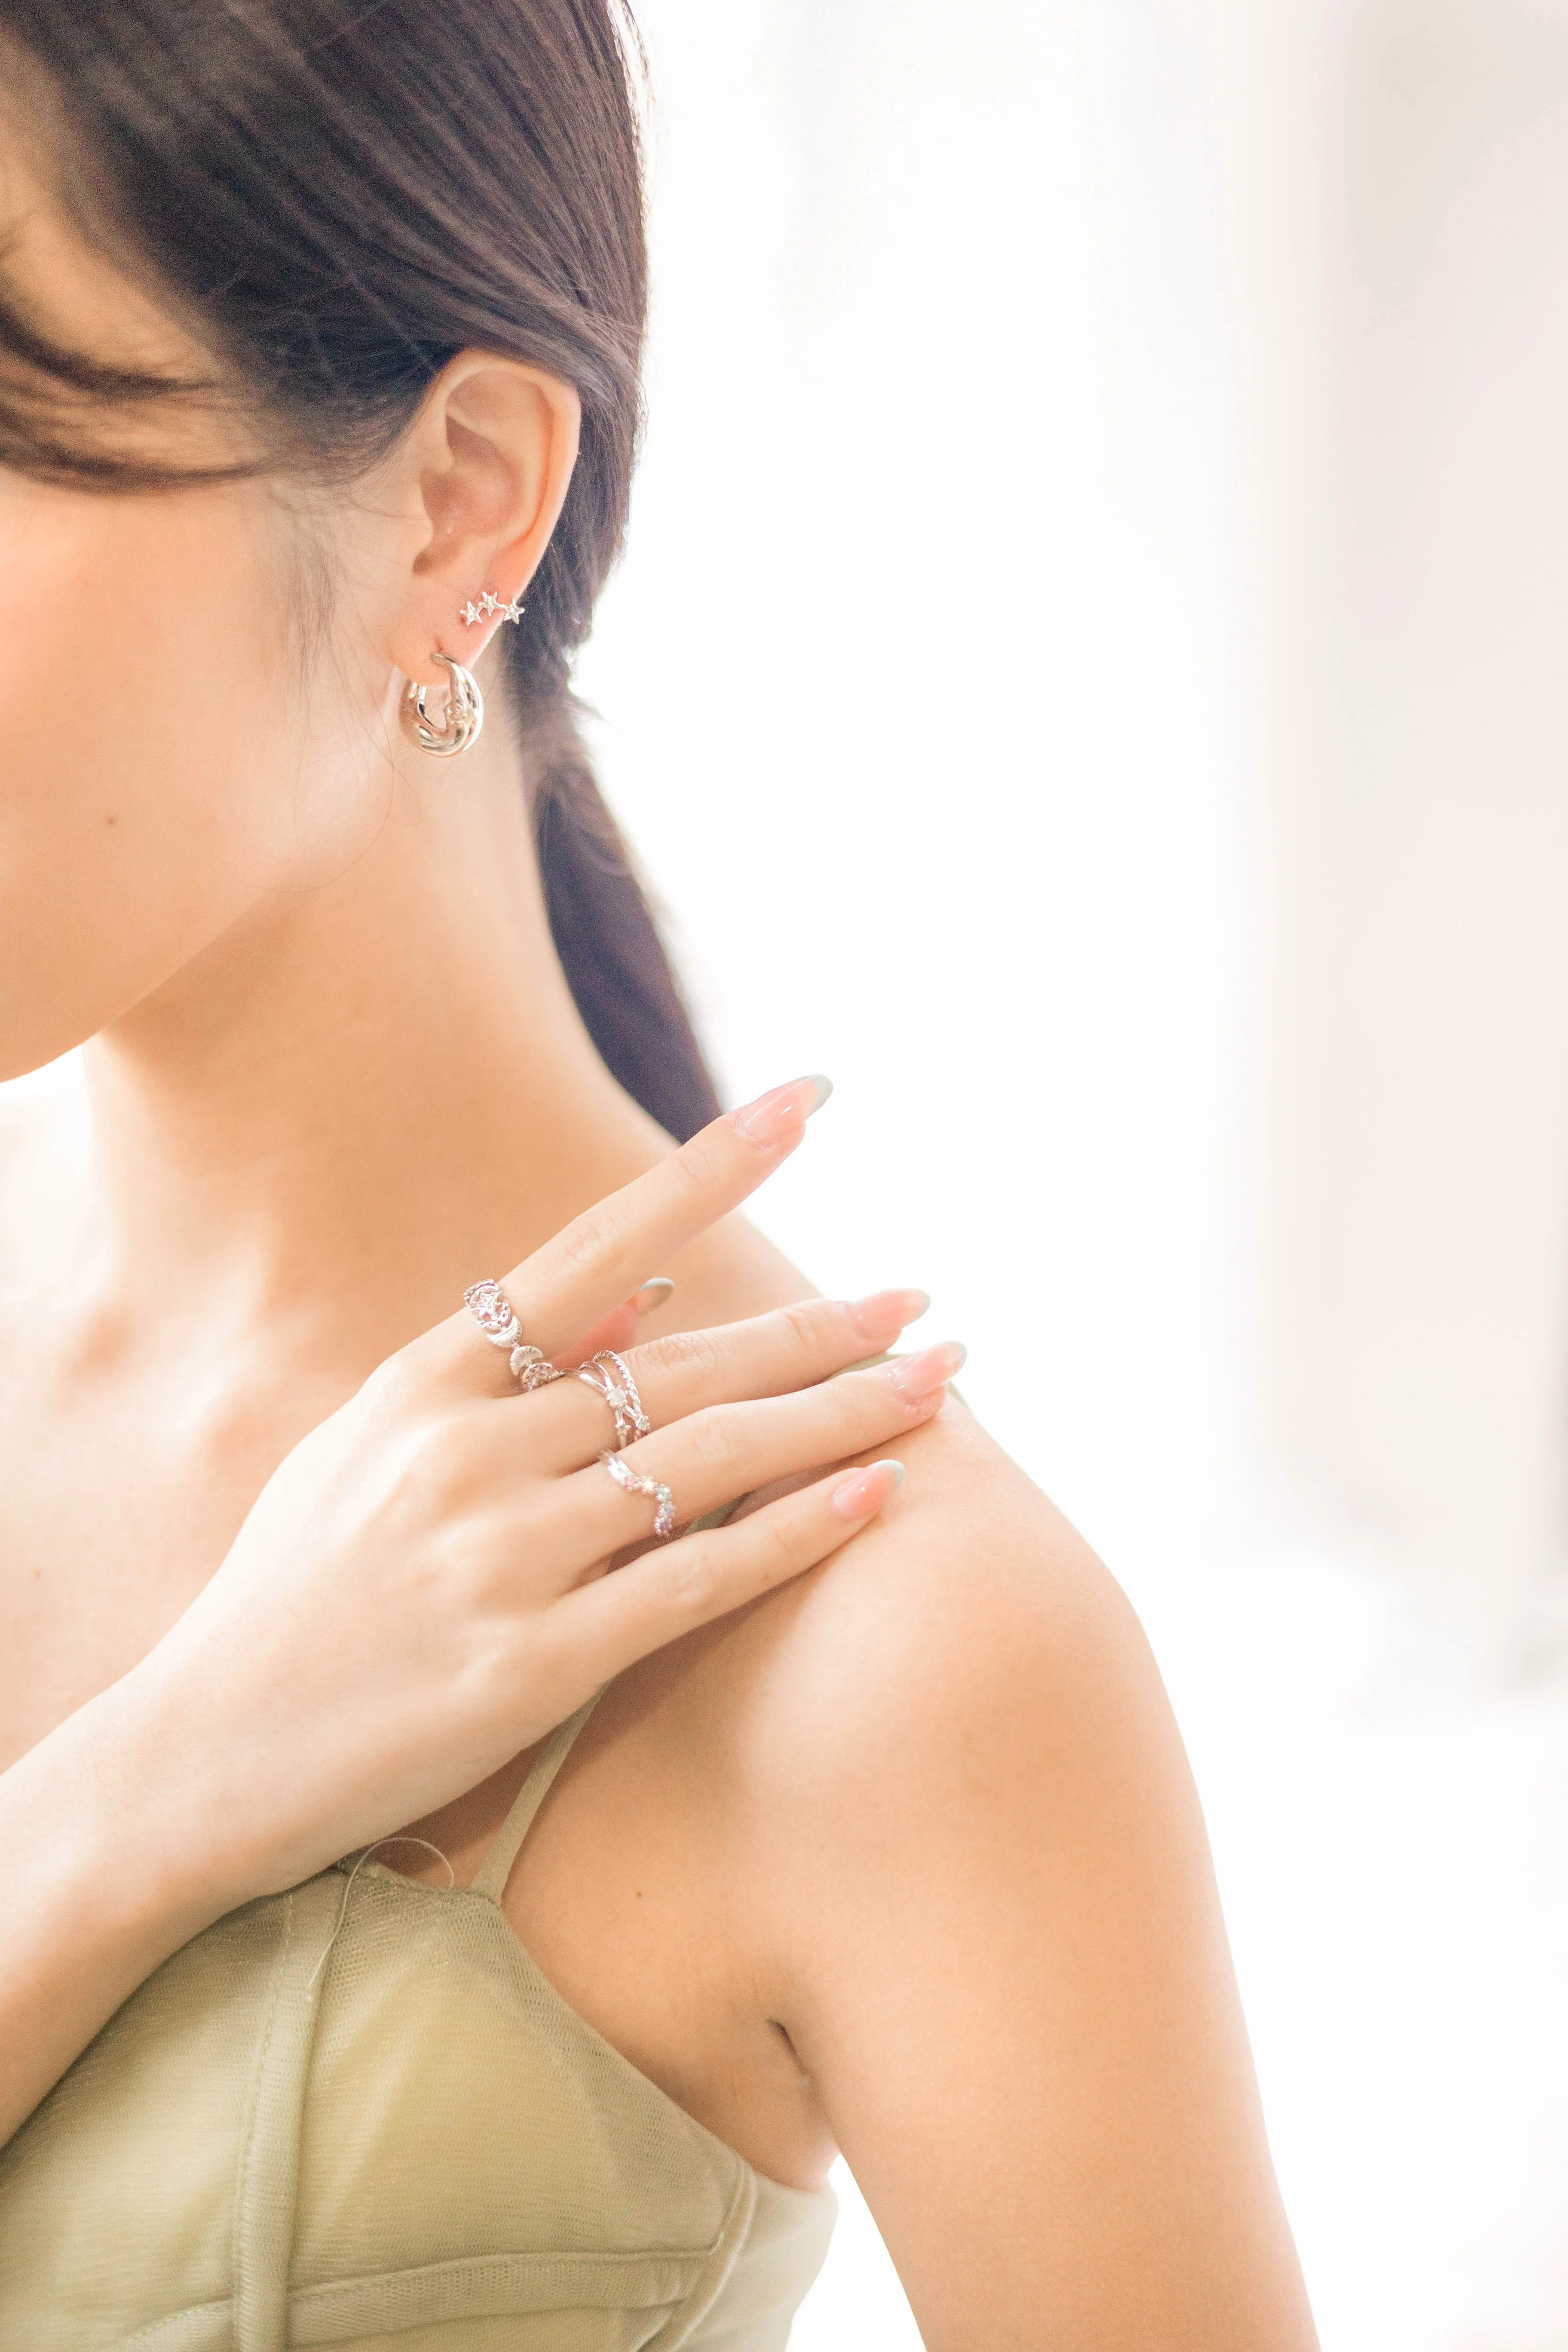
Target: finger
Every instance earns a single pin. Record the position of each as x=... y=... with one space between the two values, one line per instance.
x=621 y=1328
x=602 y=1256
x=767 y=1355
x=617 y=1330
x=667 y=1592
x=732 y=1449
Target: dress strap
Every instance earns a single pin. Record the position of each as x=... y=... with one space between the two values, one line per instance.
x=497 y=1863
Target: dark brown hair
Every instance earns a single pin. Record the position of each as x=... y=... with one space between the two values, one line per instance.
x=338 y=195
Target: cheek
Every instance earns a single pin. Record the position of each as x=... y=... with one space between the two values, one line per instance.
x=150 y=751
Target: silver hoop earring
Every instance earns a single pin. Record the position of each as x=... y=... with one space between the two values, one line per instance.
x=465 y=713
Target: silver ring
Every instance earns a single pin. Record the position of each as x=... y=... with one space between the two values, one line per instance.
x=610 y=1377
x=625 y=1475
x=493 y=1311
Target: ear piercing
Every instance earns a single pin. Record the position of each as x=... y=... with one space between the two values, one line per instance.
x=465 y=703
x=465 y=711
x=473 y=614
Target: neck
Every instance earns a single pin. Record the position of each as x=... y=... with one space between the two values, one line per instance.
x=360 y=1099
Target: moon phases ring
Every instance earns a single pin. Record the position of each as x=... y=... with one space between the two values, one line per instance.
x=657 y=1494
x=610 y=1377
x=492 y=1311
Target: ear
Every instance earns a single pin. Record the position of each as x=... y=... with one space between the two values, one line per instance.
x=483 y=475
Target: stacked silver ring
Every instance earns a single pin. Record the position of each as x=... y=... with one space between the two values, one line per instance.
x=657 y=1493
x=610 y=1377
x=492 y=1311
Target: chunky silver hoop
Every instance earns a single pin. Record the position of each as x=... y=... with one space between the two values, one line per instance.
x=465 y=712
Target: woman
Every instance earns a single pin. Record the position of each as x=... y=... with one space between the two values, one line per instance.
x=319 y=338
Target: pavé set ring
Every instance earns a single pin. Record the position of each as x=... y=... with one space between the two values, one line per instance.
x=492 y=1311
x=657 y=1493
x=609 y=1376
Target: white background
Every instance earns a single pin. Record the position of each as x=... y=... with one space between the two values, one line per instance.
x=1085 y=675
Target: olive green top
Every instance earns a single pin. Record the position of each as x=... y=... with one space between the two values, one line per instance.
x=357 y=2114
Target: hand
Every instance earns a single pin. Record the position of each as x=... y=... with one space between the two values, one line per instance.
x=420 y=1591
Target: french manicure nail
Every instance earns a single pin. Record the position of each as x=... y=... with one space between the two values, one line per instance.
x=867 y=1490
x=886 y=1312
x=916 y=1377
x=776 y=1115
x=657 y=1291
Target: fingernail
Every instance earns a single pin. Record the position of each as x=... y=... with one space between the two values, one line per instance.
x=886 y=1312
x=917 y=1376
x=867 y=1490
x=657 y=1291
x=776 y=1115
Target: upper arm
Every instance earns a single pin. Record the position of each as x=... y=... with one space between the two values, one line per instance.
x=1012 y=1988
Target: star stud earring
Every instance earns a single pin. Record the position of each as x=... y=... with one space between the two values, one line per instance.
x=473 y=614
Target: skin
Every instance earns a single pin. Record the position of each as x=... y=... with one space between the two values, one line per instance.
x=903 y=1855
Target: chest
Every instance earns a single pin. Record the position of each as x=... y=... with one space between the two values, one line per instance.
x=356 y=2111
x=117 y=1501
x=113 y=1512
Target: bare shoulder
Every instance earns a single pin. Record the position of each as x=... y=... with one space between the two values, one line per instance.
x=972 y=1592
x=951 y=1851
x=965 y=1668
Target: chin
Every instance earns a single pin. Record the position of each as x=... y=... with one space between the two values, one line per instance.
x=47 y=1007
x=25 y=1048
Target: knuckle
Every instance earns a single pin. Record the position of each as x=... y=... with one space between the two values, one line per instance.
x=695 y=1355
x=779 y=1552
x=692 y=1571
x=801 y=1324
x=430 y=1469
x=717 y=1439
x=692 y=1171
x=497 y=1654
x=706 y=1160
x=483 y=1578
x=394 y=1385
x=851 y=1408
x=460 y=1567
x=588 y=1239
